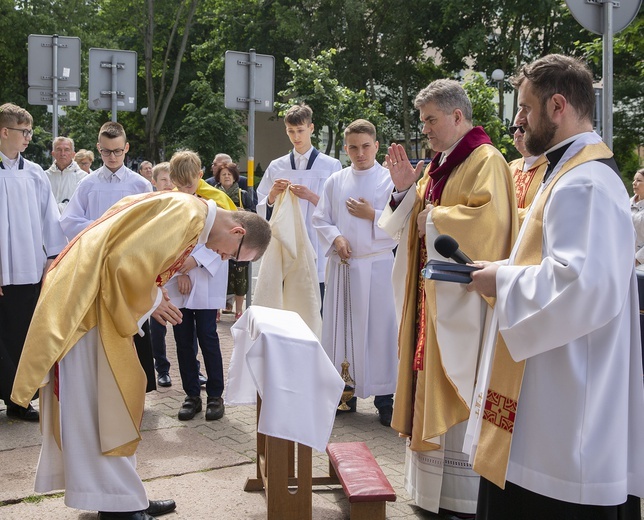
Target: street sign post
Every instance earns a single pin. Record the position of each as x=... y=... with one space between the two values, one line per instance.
x=249 y=80
x=605 y=17
x=112 y=80
x=53 y=72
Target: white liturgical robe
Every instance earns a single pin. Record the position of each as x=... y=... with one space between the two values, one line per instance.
x=371 y=333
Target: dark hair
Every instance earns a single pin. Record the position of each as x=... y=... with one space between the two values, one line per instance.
x=258 y=231
x=558 y=74
x=231 y=167
x=299 y=115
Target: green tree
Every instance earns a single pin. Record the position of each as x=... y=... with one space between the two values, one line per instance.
x=333 y=105
x=208 y=127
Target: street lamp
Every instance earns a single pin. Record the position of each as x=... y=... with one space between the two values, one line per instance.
x=498 y=75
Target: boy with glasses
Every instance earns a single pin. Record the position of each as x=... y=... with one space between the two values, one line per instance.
x=198 y=290
x=99 y=190
x=31 y=239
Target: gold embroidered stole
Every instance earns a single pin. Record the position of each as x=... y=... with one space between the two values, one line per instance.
x=501 y=402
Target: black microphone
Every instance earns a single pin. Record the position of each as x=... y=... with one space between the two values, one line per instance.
x=448 y=247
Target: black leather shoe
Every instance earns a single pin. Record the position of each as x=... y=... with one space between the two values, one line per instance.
x=161 y=507
x=385 y=414
x=164 y=380
x=191 y=405
x=132 y=515
x=215 y=409
x=24 y=414
x=202 y=379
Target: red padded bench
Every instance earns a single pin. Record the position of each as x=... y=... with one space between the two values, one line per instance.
x=363 y=482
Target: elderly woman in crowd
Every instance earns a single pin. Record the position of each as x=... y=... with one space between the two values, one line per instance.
x=84 y=159
x=227 y=179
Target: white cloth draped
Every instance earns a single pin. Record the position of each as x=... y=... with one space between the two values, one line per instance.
x=287 y=275
x=313 y=179
x=279 y=357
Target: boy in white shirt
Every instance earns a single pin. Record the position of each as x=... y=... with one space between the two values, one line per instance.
x=303 y=170
x=199 y=289
x=104 y=187
x=31 y=240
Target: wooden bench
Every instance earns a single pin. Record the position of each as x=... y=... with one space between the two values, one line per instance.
x=363 y=482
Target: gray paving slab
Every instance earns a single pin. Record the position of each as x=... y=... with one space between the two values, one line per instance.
x=202 y=465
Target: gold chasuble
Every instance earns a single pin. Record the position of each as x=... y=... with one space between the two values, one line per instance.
x=499 y=407
x=106 y=278
x=478 y=208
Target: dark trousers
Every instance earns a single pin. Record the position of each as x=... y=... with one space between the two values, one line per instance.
x=157 y=335
x=146 y=357
x=515 y=502
x=204 y=323
x=16 y=310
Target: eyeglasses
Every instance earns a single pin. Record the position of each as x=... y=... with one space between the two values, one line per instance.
x=238 y=249
x=117 y=153
x=26 y=132
x=514 y=128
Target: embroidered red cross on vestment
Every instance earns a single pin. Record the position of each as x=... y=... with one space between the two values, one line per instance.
x=500 y=410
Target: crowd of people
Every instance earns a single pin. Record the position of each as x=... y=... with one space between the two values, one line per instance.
x=520 y=394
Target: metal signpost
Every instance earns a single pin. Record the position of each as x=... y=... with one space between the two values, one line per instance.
x=112 y=80
x=605 y=17
x=53 y=72
x=249 y=85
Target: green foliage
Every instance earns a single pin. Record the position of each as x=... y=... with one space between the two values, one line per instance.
x=485 y=113
x=334 y=105
x=209 y=128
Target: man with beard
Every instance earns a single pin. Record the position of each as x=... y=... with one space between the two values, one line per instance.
x=466 y=192
x=556 y=431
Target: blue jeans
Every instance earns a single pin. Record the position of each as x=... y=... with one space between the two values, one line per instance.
x=204 y=323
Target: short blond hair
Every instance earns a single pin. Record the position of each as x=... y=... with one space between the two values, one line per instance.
x=11 y=114
x=160 y=168
x=185 y=167
x=84 y=154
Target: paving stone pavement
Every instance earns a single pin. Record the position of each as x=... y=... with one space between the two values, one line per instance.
x=202 y=465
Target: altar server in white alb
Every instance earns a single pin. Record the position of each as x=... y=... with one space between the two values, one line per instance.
x=557 y=427
x=303 y=171
x=359 y=314
x=99 y=190
x=30 y=238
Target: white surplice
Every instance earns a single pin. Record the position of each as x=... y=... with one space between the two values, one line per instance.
x=29 y=227
x=374 y=362
x=579 y=430
x=98 y=192
x=313 y=179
